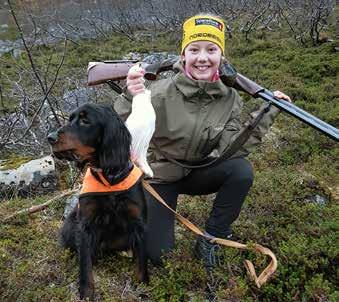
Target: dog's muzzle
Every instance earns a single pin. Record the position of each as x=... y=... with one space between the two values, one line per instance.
x=53 y=137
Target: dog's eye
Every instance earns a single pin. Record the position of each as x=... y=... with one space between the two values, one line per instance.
x=84 y=121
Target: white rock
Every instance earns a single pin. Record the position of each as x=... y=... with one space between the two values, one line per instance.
x=34 y=177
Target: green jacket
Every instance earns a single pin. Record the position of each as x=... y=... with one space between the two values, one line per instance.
x=194 y=119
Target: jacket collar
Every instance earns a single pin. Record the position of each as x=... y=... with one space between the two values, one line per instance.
x=190 y=88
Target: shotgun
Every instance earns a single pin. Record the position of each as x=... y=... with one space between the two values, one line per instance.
x=111 y=71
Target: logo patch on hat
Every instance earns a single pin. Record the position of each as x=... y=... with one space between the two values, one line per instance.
x=207 y=21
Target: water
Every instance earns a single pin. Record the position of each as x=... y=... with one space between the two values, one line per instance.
x=47 y=21
x=60 y=10
x=74 y=12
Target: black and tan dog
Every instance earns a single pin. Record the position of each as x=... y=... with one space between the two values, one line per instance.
x=111 y=213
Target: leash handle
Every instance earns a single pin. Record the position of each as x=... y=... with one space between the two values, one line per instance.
x=266 y=273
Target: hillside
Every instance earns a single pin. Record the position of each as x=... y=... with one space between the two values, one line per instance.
x=292 y=207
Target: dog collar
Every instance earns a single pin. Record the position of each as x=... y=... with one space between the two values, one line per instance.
x=92 y=185
x=115 y=178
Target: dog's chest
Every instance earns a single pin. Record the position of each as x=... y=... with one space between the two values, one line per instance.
x=110 y=211
x=116 y=222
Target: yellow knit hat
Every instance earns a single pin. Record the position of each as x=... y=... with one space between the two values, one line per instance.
x=203 y=28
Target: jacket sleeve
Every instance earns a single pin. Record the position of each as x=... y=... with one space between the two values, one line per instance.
x=234 y=127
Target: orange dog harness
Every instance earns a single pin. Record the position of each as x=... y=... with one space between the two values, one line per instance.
x=92 y=185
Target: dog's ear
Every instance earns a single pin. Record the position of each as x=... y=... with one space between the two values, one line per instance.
x=114 y=152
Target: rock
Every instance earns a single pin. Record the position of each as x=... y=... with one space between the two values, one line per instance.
x=272 y=138
x=18 y=119
x=29 y=179
x=133 y=56
x=70 y=101
x=317 y=199
x=17 y=53
x=4 y=26
x=159 y=57
x=77 y=97
x=7 y=46
x=150 y=58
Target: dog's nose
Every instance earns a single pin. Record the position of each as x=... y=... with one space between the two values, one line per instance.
x=53 y=137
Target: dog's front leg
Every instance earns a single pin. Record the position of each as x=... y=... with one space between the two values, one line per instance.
x=85 y=263
x=141 y=260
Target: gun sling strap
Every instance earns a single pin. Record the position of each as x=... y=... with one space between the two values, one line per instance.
x=238 y=142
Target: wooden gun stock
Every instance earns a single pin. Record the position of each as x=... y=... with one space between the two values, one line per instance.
x=101 y=72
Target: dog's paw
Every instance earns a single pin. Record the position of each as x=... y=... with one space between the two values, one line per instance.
x=87 y=294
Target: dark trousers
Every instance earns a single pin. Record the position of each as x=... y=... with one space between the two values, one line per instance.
x=230 y=179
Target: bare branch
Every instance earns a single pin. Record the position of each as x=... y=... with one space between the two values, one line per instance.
x=32 y=63
x=40 y=207
x=48 y=91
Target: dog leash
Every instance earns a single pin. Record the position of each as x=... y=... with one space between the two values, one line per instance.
x=265 y=274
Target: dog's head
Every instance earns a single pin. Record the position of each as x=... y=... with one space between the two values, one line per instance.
x=95 y=134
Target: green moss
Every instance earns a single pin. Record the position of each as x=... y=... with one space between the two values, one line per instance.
x=14 y=161
x=11 y=33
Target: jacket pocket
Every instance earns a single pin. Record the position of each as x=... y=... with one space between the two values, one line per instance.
x=229 y=134
x=214 y=133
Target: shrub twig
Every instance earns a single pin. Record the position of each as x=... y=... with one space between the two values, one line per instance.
x=40 y=207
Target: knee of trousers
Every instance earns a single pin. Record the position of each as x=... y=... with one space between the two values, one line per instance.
x=241 y=171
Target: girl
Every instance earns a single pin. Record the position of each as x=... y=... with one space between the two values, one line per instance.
x=197 y=118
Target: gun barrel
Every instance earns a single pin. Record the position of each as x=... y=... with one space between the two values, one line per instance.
x=300 y=114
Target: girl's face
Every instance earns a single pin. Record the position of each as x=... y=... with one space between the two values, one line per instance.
x=202 y=59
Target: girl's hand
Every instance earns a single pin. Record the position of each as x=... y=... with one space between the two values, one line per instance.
x=135 y=80
x=278 y=94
